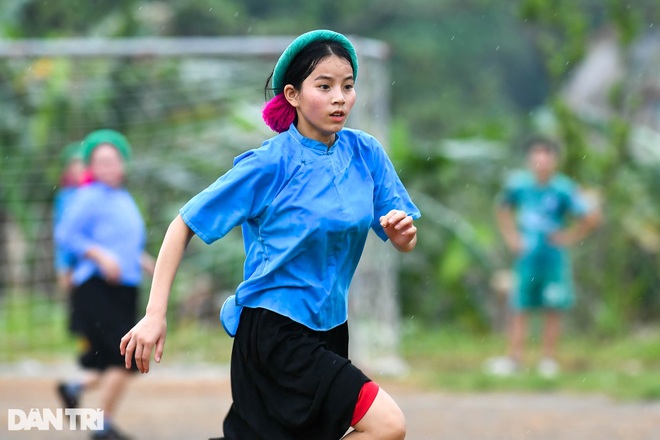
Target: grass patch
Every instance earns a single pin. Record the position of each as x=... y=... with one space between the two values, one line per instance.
x=203 y=342
x=35 y=327
x=452 y=360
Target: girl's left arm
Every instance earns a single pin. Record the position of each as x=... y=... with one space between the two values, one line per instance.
x=400 y=230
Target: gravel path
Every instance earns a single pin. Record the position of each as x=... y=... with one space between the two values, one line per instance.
x=177 y=403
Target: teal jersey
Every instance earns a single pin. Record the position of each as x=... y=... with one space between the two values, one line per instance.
x=543 y=277
x=542 y=209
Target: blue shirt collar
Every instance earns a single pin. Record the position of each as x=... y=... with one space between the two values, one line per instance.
x=311 y=143
x=104 y=187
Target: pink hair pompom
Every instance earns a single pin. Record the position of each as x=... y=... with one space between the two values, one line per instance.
x=86 y=178
x=278 y=113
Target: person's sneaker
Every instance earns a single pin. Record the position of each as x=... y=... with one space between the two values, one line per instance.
x=548 y=368
x=110 y=433
x=69 y=399
x=502 y=366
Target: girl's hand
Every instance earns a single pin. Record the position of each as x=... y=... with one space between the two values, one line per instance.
x=110 y=268
x=141 y=339
x=400 y=230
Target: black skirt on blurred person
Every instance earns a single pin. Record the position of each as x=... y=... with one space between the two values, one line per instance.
x=104 y=313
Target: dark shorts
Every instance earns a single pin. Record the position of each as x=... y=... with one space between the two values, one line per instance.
x=290 y=382
x=104 y=313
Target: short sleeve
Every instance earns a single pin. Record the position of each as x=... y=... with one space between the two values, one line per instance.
x=579 y=205
x=509 y=195
x=240 y=194
x=74 y=228
x=389 y=192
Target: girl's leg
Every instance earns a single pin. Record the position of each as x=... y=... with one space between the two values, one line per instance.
x=90 y=380
x=383 y=421
x=113 y=385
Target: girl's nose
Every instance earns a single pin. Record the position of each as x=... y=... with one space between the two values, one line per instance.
x=338 y=95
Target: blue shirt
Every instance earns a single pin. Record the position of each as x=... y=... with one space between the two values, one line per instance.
x=107 y=218
x=63 y=260
x=542 y=209
x=305 y=211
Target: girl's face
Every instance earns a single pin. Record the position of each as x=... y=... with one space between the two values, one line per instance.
x=107 y=165
x=74 y=172
x=324 y=100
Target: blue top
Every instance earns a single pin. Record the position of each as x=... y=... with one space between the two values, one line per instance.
x=542 y=209
x=305 y=211
x=108 y=218
x=63 y=260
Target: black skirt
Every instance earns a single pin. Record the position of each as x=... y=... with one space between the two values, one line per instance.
x=290 y=382
x=104 y=313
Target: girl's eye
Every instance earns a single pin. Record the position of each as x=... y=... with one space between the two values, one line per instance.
x=324 y=86
x=349 y=86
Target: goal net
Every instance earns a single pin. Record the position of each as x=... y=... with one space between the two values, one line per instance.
x=188 y=107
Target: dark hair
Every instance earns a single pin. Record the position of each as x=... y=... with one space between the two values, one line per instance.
x=304 y=63
x=543 y=143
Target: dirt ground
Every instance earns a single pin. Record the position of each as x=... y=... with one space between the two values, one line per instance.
x=181 y=403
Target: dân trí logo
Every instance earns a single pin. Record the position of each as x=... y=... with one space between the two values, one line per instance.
x=45 y=419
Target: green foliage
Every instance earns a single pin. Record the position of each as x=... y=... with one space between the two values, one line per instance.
x=452 y=359
x=206 y=18
x=561 y=32
x=632 y=19
x=36 y=19
x=454 y=260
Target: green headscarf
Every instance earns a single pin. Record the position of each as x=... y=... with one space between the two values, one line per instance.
x=105 y=136
x=299 y=44
x=71 y=152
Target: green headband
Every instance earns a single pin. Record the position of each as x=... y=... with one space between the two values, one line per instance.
x=71 y=152
x=299 y=44
x=105 y=136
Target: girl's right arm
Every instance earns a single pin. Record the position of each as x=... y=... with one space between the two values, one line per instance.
x=151 y=330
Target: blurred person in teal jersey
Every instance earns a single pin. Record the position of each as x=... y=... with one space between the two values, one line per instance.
x=540 y=213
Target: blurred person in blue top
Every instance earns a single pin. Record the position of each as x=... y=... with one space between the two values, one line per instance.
x=306 y=200
x=70 y=180
x=541 y=213
x=104 y=231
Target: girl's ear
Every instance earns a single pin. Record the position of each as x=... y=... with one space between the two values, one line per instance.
x=291 y=95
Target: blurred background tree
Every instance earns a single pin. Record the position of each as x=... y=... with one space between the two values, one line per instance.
x=470 y=78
